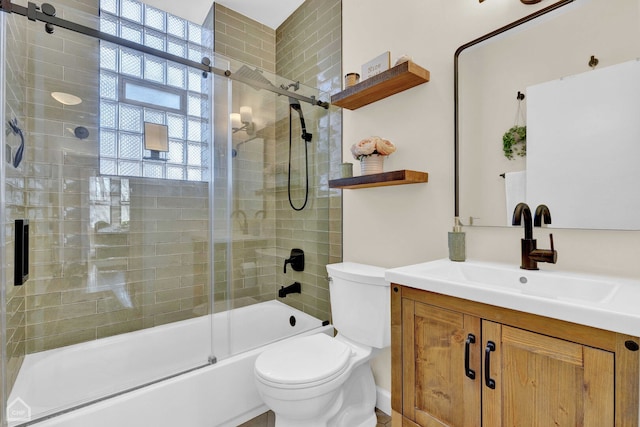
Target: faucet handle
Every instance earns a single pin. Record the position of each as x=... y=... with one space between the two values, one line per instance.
x=296 y=259
x=544 y=255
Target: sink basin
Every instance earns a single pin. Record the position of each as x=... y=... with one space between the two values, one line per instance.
x=508 y=278
x=609 y=303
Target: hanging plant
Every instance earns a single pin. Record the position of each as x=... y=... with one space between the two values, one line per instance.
x=514 y=142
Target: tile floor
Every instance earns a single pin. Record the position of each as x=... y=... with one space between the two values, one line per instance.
x=268 y=419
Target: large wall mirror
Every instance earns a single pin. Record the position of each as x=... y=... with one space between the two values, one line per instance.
x=582 y=118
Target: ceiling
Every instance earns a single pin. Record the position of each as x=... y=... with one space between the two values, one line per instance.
x=271 y=13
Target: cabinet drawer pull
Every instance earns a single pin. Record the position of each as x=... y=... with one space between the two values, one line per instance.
x=471 y=339
x=491 y=346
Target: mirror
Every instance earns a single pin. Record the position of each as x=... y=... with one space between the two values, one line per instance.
x=553 y=44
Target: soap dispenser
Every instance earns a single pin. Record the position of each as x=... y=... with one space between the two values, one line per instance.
x=457 y=251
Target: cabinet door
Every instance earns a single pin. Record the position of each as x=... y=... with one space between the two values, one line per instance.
x=544 y=381
x=436 y=388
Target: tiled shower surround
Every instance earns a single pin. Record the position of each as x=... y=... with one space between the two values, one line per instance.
x=244 y=39
x=307 y=49
x=149 y=263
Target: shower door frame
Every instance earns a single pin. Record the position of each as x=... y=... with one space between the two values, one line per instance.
x=3 y=341
x=33 y=13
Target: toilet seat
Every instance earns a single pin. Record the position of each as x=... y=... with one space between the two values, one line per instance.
x=303 y=362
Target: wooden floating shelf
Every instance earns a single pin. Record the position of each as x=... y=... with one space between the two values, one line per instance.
x=383 y=179
x=394 y=80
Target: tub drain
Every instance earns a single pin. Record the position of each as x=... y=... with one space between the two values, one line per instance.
x=292 y=321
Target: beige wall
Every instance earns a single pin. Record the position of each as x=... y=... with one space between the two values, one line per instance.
x=394 y=226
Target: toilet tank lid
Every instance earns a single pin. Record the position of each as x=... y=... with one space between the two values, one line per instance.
x=362 y=273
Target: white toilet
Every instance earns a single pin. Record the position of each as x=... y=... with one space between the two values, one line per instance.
x=323 y=381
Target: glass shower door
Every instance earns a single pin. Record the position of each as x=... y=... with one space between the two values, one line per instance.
x=278 y=199
x=114 y=180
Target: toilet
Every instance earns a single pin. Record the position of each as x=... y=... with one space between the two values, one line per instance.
x=323 y=381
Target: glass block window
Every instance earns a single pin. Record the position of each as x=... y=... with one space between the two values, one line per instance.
x=137 y=87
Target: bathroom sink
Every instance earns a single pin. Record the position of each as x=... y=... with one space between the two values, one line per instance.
x=508 y=278
x=600 y=301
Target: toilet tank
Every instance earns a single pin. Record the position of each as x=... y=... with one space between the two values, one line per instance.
x=360 y=303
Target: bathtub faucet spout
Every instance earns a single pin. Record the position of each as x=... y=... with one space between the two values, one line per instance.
x=295 y=288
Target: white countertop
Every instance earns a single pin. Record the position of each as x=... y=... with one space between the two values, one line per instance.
x=604 y=302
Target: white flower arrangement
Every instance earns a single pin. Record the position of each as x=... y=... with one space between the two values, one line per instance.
x=372 y=145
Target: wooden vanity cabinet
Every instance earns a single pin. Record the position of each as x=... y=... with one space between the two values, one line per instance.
x=459 y=363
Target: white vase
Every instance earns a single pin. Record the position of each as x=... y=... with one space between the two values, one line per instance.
x=371 y=164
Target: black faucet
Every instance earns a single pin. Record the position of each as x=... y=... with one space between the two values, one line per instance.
x=296 y=259
x=294 y=288
x=531 y=255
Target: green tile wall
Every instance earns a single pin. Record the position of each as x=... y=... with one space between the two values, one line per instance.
x=242 y=38
x=308 y=49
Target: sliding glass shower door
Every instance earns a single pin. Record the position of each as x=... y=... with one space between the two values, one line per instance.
x=108 y=158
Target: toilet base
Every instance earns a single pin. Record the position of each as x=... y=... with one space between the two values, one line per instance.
x=353 y=405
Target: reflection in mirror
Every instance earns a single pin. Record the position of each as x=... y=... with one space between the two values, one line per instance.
x=553 y=47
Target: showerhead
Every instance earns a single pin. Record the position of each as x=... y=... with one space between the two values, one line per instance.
x=252 y=77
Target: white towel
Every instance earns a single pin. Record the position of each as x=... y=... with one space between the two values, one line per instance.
x=515 y=184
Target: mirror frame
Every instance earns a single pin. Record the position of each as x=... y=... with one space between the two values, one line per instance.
x=456 y=147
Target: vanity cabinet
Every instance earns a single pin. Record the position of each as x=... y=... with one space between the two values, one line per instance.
x=459 y=363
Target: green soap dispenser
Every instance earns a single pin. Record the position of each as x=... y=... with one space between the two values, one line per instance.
x=457 y=251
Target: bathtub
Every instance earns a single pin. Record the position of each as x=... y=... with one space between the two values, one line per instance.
x=74 y=380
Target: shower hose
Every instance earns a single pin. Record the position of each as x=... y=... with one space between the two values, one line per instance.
x=306 y=169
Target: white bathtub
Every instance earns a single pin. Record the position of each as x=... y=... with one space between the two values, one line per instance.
x=221 y=394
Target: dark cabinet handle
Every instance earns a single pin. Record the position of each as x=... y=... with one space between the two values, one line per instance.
x=471 y=339
x=491 y=346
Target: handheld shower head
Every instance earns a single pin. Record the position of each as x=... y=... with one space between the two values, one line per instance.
x=294 y=104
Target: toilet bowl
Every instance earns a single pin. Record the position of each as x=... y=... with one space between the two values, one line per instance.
x=323 y=381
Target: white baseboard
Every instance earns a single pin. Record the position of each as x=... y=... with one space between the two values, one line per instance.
x=383 y=400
